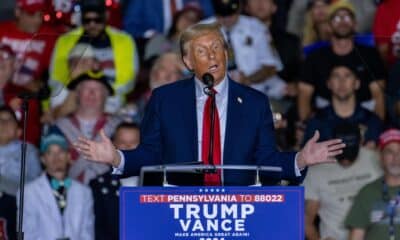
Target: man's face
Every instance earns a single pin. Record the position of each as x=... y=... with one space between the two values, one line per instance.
x=207 y=54
x=390 y=159
x=91 y=95
x=343 y=24
x=56 y=159
x=343 y=83
x=29 y=22
x=167 y=71
x=6 y=66
x=127 y=138
x=261 y=9
x=93 y=23
x=9 y=130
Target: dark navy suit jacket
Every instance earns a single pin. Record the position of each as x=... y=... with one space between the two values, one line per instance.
x=169 y=132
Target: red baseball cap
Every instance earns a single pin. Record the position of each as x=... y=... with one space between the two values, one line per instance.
x=31 y=6
x=389 y=136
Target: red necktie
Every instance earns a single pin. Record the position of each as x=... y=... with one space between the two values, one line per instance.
x=211 y=179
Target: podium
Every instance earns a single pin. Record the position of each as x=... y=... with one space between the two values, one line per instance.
x=211 y=213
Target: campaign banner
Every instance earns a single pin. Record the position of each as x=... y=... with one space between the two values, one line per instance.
x=212 y=213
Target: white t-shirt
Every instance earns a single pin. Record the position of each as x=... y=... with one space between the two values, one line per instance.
x=87 y=127
x=335 y=187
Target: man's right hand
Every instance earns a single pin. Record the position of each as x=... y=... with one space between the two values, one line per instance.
x=102 y=151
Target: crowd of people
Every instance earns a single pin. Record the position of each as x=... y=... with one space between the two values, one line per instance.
x=326 y=65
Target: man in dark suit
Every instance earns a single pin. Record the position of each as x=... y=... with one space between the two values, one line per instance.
x=175 y=128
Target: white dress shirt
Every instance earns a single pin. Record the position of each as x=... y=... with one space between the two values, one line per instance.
x=221 y=101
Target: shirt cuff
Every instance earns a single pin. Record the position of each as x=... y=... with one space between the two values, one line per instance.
x=297 y=171
x=120 y=169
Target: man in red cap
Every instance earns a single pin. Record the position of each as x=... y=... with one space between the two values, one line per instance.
x=375 y=212
x=31 y=42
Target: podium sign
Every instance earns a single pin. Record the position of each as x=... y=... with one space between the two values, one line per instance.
x=212 y=213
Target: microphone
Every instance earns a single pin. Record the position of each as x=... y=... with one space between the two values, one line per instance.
x=208 y=80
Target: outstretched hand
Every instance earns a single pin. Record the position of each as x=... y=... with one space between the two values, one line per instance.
x=319 y=152
x=102 y=151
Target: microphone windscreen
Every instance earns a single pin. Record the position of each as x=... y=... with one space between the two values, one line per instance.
x=208 y=79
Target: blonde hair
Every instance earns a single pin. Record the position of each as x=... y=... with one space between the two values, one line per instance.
x=198 y=30
x=309 y=32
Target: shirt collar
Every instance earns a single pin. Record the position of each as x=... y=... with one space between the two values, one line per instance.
x=221 y=88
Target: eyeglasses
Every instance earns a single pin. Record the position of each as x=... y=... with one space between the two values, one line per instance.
x=344 y=18
x=97 y=20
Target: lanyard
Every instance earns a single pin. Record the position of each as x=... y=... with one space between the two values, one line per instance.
x=392 y=206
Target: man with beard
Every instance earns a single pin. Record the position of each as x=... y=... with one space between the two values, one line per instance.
x=343 y=83
x=375 y=210
x=114 y=50
x=342 y=50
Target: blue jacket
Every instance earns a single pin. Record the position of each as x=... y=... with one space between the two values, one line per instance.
x=169 y=132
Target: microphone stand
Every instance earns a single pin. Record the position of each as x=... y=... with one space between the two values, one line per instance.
x=25 y=108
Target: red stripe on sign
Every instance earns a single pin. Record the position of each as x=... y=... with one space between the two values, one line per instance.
x=212 y=198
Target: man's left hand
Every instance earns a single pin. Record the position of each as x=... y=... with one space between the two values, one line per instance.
x=319 y=152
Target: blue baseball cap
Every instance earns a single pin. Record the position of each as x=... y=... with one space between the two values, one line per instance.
x=53 y=139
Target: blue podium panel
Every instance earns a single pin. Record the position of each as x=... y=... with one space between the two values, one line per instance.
x=212 y=213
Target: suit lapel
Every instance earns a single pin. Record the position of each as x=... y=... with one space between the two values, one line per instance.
x=189 y=114
x=233 y=119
